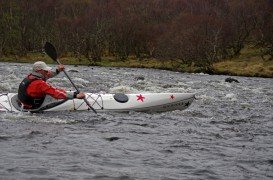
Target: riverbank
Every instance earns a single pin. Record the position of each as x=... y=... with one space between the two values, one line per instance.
x=249 y=63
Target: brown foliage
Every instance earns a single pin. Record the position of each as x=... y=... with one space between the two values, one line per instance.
x=196 y=32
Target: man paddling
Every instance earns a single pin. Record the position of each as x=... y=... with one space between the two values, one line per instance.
x=34 y=88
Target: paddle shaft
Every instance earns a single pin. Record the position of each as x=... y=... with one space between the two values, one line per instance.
x=85 y=100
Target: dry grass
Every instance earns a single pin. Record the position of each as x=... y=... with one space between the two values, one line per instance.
x=249 y=63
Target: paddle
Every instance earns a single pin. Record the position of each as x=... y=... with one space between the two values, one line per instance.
x=52 y=53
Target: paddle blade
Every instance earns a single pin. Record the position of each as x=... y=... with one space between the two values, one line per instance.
x=50 y=51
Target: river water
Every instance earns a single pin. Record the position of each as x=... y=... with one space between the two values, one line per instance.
x=227 y=133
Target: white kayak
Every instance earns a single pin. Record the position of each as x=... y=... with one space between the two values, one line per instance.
x=146 y=102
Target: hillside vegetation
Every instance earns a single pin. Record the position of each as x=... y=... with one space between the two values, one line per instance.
x=181 y=35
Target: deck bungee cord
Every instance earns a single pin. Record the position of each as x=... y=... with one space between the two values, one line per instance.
x=95 y=101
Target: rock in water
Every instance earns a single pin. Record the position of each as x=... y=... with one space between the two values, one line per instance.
x=230 y=80
x=140 y=78
x=73 y=70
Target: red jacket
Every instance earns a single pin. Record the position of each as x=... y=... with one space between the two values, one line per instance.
x=40 y=88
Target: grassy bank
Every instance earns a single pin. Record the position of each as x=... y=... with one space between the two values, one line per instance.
x=248 y=63
x=106 y=62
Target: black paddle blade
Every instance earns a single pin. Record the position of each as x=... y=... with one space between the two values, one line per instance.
x=50 y=51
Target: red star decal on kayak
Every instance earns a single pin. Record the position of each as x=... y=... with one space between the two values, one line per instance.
x=140 y=98
x=172 y=97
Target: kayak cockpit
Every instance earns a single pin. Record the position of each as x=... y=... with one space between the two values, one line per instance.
x=47 y=104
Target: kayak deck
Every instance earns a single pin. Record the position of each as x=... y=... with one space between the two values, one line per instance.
x=146 y=102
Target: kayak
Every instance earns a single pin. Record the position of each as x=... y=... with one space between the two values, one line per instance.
x=142 y=102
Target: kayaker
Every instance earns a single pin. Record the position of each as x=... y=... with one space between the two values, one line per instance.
x=34 y=88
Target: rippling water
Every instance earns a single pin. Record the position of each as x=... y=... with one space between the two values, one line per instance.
x=227 y=133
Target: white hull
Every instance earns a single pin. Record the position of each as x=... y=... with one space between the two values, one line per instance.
x=151 y=102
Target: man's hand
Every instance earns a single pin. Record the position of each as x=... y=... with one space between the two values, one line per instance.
x=60 y=67
x=80 y=95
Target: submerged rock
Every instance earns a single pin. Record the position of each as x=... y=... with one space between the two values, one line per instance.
x=230 y=80
x=112 y=138
x=73 y=70
x=140 y=78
